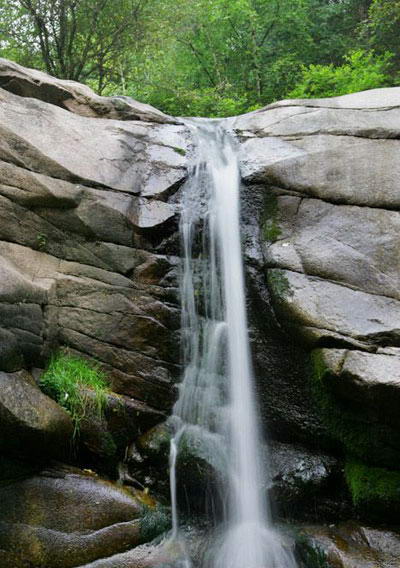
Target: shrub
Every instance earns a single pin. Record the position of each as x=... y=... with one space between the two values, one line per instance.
x=360 y=71
x=77 y=385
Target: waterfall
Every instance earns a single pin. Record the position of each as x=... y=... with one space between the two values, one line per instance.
x=216 y=404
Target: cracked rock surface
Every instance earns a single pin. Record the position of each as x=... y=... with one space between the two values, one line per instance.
x=323 y=179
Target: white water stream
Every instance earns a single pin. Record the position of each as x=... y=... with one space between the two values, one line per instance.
x=216 y=405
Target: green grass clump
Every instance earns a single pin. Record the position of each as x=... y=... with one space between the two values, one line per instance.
x=77 y=385
x=373 y=485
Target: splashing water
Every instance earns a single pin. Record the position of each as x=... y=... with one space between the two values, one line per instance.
x=216 y=401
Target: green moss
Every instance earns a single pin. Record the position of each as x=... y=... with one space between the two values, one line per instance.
x=309 y=554
x=373 y=487
x=278 y=283
x=155 y=521
x=370 y=442
x=270 y=227
x=77 y=385
x=180 y=151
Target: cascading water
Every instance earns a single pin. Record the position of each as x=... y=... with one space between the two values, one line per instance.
x=216 y=404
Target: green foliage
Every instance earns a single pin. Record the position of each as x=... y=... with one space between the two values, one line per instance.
x=278 y=283
x=373 y=489
x=179 y=151
x=361 y=71
x=361 y=439
x=77 y=385
x=381 y=29
x=208 y=57
x=41 y=241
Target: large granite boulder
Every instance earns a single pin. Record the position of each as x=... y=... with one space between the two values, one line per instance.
x=348 y=546
x=63 y=517
x=73 y=96
x=31 y=422
x=322 y=179
x=86 y=255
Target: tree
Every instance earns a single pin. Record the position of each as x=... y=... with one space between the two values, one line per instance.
x=74 y=39
x=381 y=29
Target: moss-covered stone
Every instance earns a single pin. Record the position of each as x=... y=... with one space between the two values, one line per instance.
x=278 y=284
x=155 y=521
x=310 y=554
x=370 y=442
x=270 y=226
x=374 y=490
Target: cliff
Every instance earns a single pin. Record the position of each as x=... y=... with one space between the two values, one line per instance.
x=89 y=264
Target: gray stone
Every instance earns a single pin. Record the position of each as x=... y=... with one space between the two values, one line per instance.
x=128 y=156
x=65 y=517
x=74 y=96
x=354 y=246
x=30 y=422
x=333 y=168
x=319 y=308
x=368 y=382
x=348 y=546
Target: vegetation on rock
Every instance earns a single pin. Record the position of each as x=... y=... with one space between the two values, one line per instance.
x=374 y=490
x=278 y=283
x=363 y=440
x=77 y=385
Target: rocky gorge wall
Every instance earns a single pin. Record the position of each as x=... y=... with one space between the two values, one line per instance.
x=89 y=262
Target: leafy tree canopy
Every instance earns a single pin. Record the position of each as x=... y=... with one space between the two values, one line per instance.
x=208 y=57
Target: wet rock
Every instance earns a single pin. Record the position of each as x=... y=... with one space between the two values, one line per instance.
x=357 y=394
x=306 y=484
x=165 y=553
x=30 y=422
x=200 y=466
x=348 y=546
x=370 y=382
x=103 y=439
x=65 y=518
x=280 y=361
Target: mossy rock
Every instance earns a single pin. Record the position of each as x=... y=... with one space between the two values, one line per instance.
x=270 y=219
x=375 y=491
x=310 y=554
x=349 y=427
x=278 y=284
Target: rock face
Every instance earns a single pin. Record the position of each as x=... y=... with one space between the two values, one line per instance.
x=63 y=517
x=83 y=219
x=323 y=179
x=89 y=261
x=348 y=546
x=73 y=96
x=31 y=422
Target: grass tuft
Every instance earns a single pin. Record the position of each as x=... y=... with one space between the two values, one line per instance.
x=77 y=385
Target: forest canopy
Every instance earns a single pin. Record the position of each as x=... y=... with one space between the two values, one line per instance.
x=208 y=57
